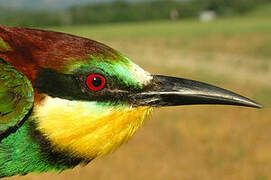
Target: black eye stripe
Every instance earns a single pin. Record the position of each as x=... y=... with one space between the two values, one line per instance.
x=76 y=87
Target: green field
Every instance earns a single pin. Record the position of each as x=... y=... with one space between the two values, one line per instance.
x=193 y=142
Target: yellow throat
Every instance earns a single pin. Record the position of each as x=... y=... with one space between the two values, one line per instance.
x=88 y=129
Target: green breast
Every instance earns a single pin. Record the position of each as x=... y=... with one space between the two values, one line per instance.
x=28 y=151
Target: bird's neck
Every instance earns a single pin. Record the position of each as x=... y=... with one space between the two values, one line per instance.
x=87 y=129
x=28 y=150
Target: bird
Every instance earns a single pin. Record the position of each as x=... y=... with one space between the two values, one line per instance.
x=66 y=100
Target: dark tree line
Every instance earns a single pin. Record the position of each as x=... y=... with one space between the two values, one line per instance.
x=122 y=11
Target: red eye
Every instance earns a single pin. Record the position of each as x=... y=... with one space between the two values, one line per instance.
x=96 y=82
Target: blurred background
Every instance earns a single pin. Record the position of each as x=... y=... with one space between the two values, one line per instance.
x=223 y=42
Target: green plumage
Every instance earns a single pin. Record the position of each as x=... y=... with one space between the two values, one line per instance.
x=20 y=154
x=27 y=151
x=16 y=96
x=4 y=46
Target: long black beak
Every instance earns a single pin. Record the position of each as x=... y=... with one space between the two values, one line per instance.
x=171 y=91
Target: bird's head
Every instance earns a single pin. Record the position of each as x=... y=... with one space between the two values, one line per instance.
x=90 y=98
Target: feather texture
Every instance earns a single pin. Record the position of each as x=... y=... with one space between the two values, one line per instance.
x=88 y=129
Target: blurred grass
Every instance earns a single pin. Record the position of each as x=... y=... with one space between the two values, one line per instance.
x=233 y=35
x=199 y=142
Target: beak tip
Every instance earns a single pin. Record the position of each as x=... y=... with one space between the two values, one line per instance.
x=253 y=104
x=257 y=105
x=243 y=101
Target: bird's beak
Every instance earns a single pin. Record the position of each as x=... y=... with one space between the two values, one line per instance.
x=171 y=91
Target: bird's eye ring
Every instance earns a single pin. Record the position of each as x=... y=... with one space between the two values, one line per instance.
x=96 y=82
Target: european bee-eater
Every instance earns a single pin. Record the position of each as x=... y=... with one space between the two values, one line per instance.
x=65 y=100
